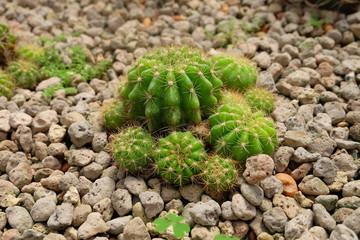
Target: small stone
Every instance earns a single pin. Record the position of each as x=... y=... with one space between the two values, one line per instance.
x=43 y=209
x=345 y=163
x=263 y=60
x=169 y=193
x=5 y=120
x=352 y=221
x=257 y=224
x=271 y=186
x=304 y=202
x=282 y=158
x=21 y=175
x=121 y=201
x=351 y=189
x=152 y=203
x=99 y=141
x=226 y=211
x=102 y=188
x=93 y=225
x=298 y=78
x=72 y=196
x=48 y=83
x=135 y=185
x=56 y=133
x=43 y=121
x=323 y=218
x=326 y=169
x=312 y=185
x=80 y=133
x=62 y=217
x=290 y=206
x=241 y=208
x=54 y=236
x=105 y=208
x=92 y=171
x=192 y=192
x=258 y=168
x=19 y=118
x=117 y=225
x=253 y=193
x=343 y=232
x=340 y=180
x=323 y=145
x=328 y=201
x=297 y=138
x=206 y=214
x=298 y=225
x=341 y=214
x=140 y=233
x=349 y=202
x=303 y=156
x=335 y=111
x=81 y=157
x=19 y=218
x=80 y=214
x=275 y=219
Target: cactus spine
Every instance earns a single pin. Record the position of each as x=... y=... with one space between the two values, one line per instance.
x=132 y=148
x=172 y=86
x=260 y=99
x=178 y=157
x=115 y=114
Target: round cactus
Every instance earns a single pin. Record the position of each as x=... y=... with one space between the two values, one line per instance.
x=132 y=148
x=171 y=86
x=219 y=174
x=31 y=53
x=260 y=99
x=178 y=157
x=238 y=133
x=6 y=85
x=24 y=73
x=115 y=114
x=235 y=72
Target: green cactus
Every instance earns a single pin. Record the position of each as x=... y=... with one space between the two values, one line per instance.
x=30 y=52
x=219 y=174
x=235 y=72
x=132 y=148
x=172 y=86
x=7 y=45
x=260 y=99
x=115 y=114
x=178 y=157
x=24 y=73
x=6 y=85
x=238 y=133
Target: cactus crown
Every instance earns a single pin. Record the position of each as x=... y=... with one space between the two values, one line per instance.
x=6 y=85
x=171 y=86
x=239 y=133
x=132 y=148
x=260 y=99
x=178 y=157
x=219 y=174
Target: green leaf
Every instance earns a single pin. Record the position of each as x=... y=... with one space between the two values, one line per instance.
x=180 y=230
x=174 y=218
x=161 y=224
x=225 y=237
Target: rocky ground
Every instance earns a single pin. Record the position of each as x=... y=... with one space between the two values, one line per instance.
x=57 y=180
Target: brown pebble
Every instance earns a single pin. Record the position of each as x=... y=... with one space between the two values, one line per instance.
x=301 y=171
x=342 y=124
x=65 y=167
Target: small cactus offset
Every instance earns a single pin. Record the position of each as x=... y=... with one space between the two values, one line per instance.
x=260 y=99
x=6 y=85
x=237 y=73
x=219 y=174
x=132 y=148
x=24 y=73
x=30 y=52
x=237 y=133
x=115 y=114
x=172 y=86
x=178 y=158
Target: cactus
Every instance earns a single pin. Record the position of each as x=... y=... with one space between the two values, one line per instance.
x=172 y=86
x=178 y=157
x=132 y=148
x=260 y=99
x=6 y=85
x=31 y=53
x=238 y=133
x=24 y=73
x=219 y=174
x=7 y=45
x=115 y=114
x=235 y=72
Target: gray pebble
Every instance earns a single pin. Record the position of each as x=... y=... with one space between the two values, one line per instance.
x=152 y=203
x=80 y=133
x=206 y=214
x=253 y=193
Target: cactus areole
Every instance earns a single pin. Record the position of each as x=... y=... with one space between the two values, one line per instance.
x=172 y=86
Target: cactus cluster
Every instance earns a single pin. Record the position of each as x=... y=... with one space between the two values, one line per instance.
x=238 y=132
x=132 y=148
x=179 y=157
x=215 y=106
x=24 y=73
x=30 y=52
x=7 y=45
x=6 y=85
x=172 y=86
